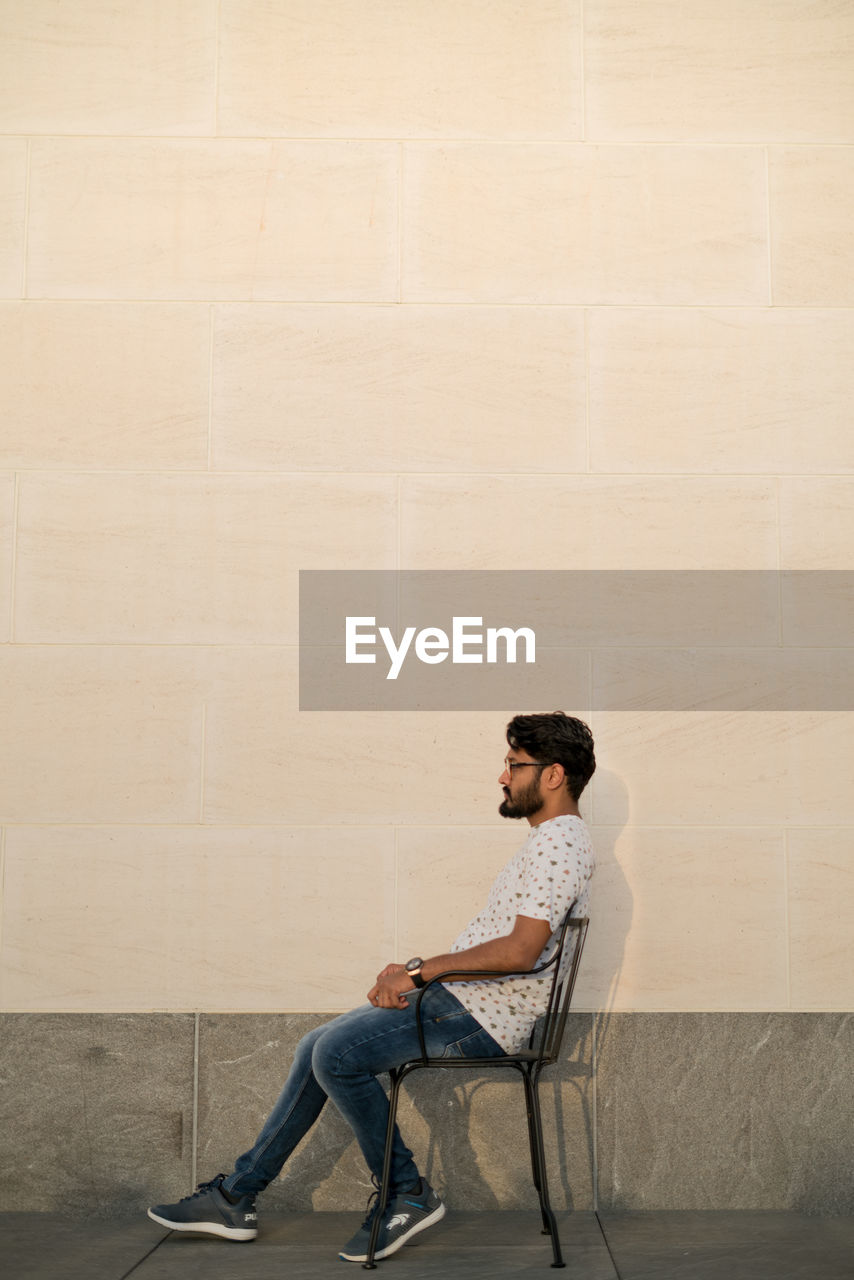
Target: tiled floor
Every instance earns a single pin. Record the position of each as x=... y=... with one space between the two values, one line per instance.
x=477 y=1246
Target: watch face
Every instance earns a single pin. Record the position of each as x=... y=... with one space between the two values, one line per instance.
x=413 y=965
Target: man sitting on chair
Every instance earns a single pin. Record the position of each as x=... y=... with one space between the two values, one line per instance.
x=549 y=763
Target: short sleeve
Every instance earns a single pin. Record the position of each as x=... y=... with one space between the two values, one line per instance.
x=554 y=874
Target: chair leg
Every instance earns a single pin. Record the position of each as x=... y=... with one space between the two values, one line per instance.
x=538 y=1162
x=534 y=1147
x=382 y=1196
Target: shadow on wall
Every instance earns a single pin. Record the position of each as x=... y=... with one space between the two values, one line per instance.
x=611 y=914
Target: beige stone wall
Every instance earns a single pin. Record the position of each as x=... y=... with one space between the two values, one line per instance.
x=291 y=284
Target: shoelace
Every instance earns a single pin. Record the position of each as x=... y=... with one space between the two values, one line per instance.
x=373 y=1202
x=206 y=1186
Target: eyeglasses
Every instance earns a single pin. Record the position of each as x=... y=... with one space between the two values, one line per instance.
x=510 y=765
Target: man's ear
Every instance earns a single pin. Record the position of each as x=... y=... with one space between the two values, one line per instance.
x=555 y=776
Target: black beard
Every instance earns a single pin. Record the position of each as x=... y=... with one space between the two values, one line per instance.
x=525 y=805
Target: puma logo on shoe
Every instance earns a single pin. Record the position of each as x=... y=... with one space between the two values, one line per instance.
x=399 y=1220
x=250 y=1217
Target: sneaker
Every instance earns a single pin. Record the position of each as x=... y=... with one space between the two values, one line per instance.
x=405 y=1215
x=208 y=1211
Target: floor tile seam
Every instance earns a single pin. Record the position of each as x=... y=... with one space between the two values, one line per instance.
x=140 y=1261
x=607 y=1245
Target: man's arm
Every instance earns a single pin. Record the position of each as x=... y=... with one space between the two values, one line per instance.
x=516 y=951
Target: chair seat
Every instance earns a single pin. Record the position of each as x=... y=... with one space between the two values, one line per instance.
x=506 y=1060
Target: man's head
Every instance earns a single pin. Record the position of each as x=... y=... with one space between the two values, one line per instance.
x=550 y=762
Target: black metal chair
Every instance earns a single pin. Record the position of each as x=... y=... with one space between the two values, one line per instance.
x=542 y=1050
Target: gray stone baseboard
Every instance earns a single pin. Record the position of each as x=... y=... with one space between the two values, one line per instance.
x=104 y=1113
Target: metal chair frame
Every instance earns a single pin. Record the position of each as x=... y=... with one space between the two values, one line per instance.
x=542 y=1050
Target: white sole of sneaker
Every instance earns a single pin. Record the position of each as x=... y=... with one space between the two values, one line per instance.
x=435 y=1216
x=208 y=1228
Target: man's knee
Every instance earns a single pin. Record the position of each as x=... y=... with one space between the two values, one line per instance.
x=324 y=1056
x=333 y=1051
x=304 y=1053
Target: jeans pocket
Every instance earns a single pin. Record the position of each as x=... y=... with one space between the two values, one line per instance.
x=466 y=1047
x=441 y=1018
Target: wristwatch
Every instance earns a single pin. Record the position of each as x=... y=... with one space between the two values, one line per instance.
x=413 y=968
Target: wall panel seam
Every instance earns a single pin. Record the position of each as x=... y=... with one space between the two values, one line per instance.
x=203 y=764
x=13 y=567
x=594 y=1125
x=217 y=52
x=401 y=179
x=768 y=226
x=582 y=71
x=201 y=473
x=779 y=523
x=398 y=483
x=787 y=918
x=211 y=344
x=195 y=1140
x=586 y=344
x=25 y=248
x=437 y=140
x=396 y=919
x=470 y=304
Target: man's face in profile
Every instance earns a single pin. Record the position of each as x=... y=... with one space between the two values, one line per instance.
x=520 y=782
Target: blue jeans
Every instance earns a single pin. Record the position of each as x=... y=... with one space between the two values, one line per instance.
x=341 y=1060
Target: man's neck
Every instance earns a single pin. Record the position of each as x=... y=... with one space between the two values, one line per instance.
x=569 y=810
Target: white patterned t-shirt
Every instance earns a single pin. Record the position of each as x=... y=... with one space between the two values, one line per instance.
x=550 y=871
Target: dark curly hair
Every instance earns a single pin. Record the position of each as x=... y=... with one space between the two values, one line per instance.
x=555 y=738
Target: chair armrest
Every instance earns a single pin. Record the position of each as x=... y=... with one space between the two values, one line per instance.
x=466 y=976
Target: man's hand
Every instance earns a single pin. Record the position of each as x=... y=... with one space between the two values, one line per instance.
x=391 y=987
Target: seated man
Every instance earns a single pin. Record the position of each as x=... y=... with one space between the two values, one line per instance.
x=549 y=763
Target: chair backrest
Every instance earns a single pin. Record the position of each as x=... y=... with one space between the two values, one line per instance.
x=547 y=1036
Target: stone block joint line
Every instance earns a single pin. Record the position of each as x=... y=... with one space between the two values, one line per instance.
x=607 y=1246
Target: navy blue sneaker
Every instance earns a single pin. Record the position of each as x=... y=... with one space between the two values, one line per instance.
x=405 y=1215
x=208 y=1211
